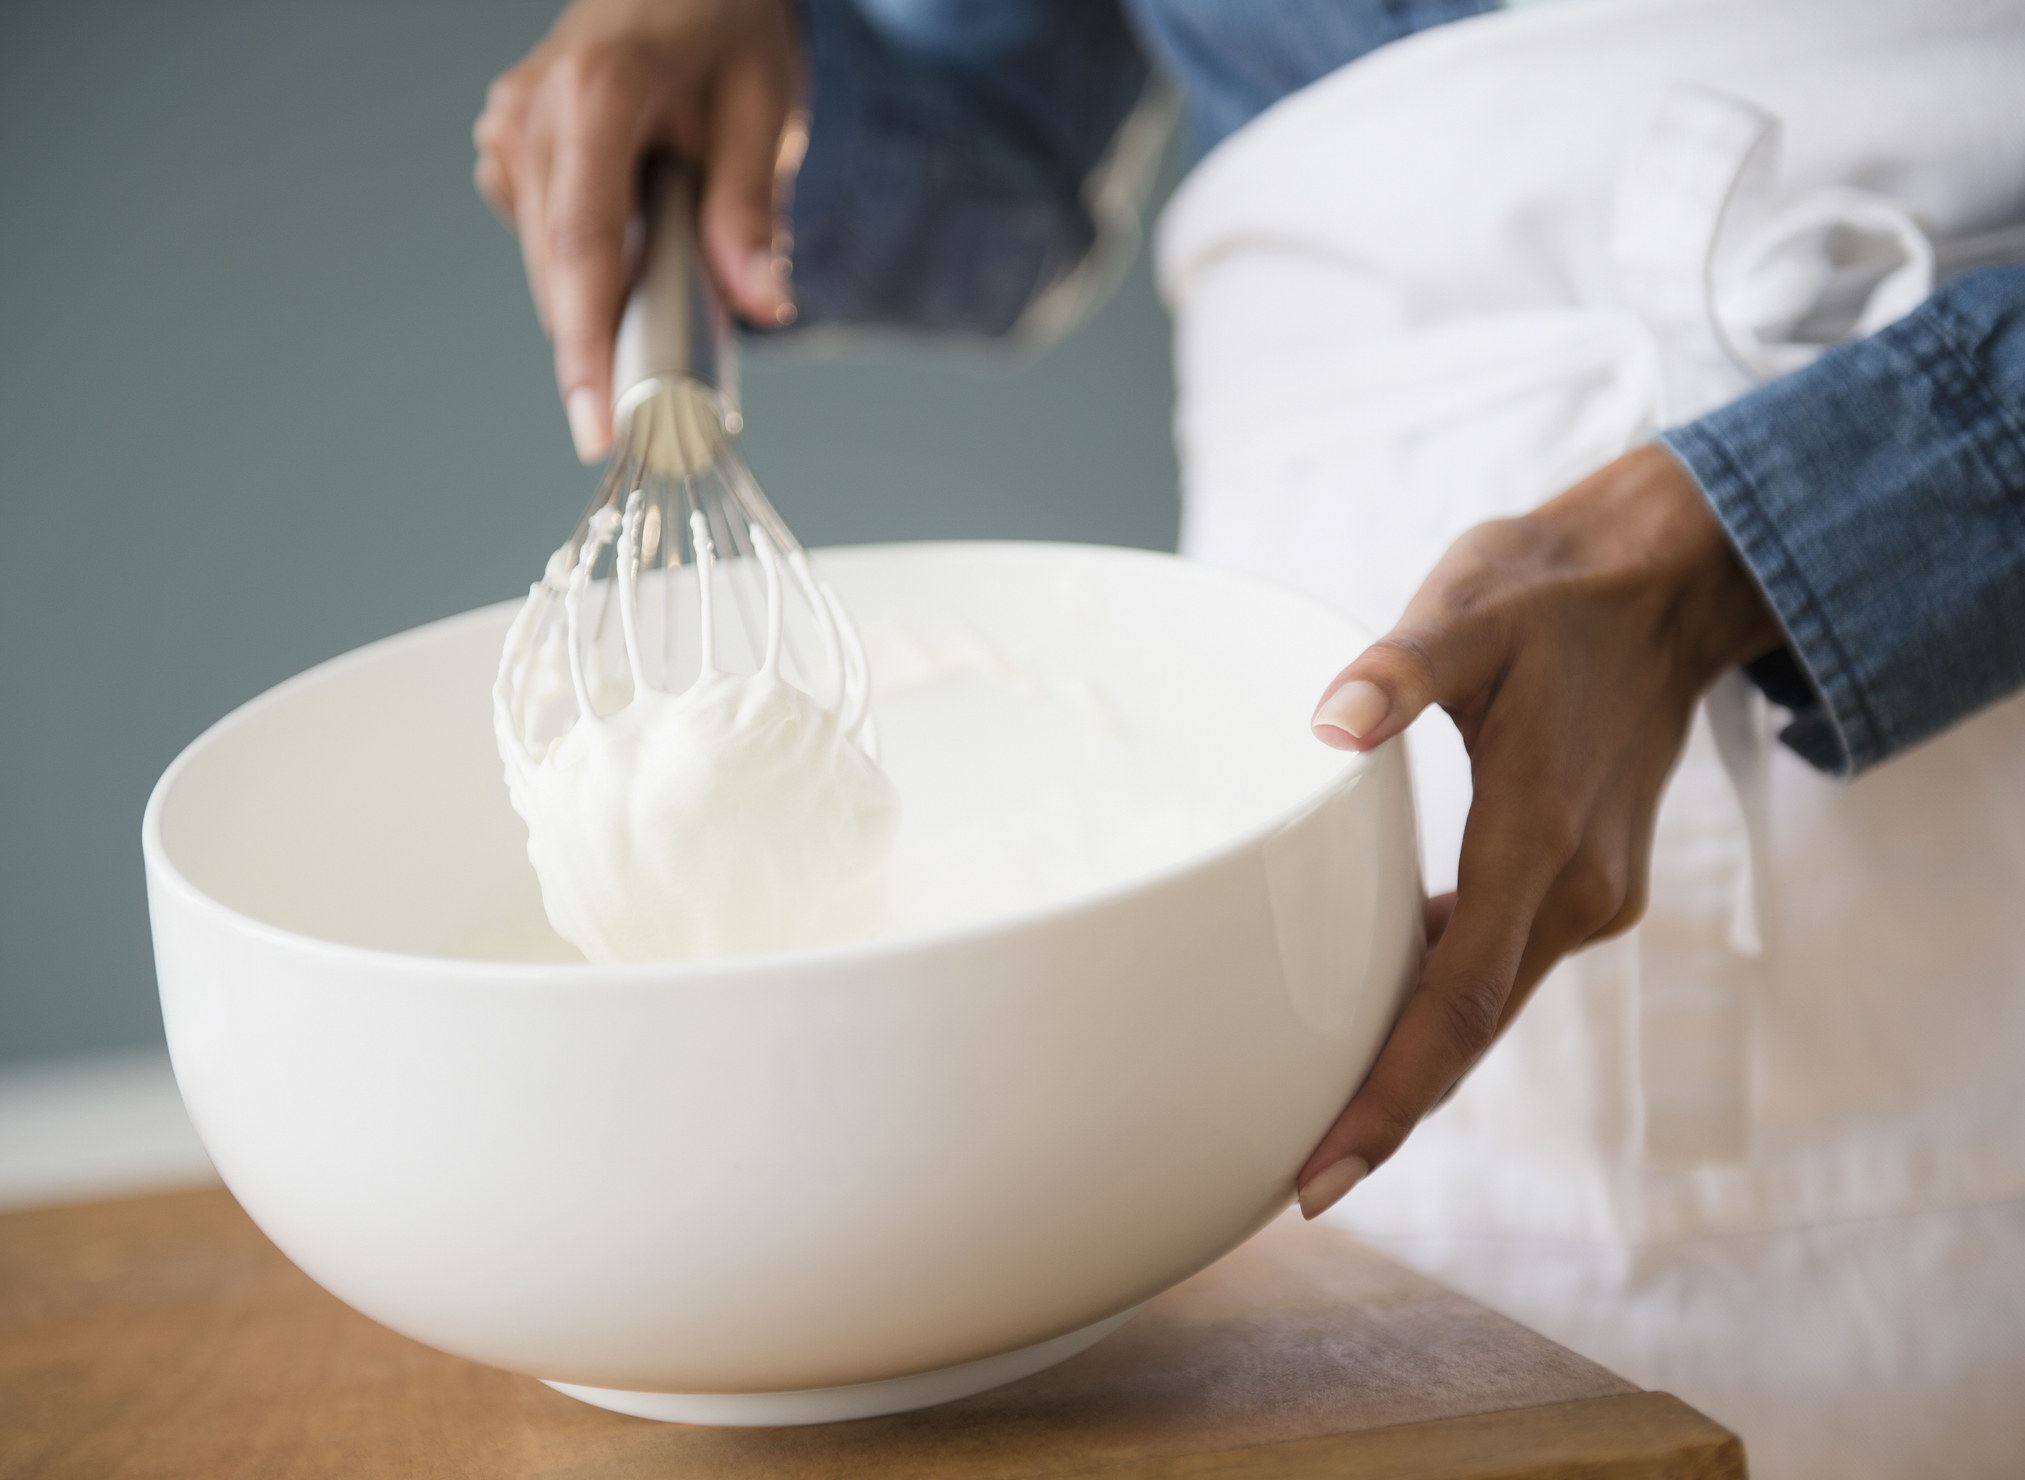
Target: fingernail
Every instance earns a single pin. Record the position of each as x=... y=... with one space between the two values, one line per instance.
x=1354 y=710
x=1327 y=1186
x=582 y=407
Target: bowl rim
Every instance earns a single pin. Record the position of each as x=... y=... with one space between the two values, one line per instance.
x=163 y=872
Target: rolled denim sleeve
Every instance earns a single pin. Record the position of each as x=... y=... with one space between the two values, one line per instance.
x=1878 y=496
x=950 y=143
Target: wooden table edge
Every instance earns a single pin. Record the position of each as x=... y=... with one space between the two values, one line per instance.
x=1626 y=1436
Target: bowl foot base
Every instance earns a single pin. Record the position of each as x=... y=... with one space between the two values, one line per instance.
x=858 y=1400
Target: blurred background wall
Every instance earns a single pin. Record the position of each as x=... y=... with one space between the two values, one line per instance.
x=270 y=388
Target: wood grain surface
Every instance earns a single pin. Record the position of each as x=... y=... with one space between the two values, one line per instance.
x=164 y=1336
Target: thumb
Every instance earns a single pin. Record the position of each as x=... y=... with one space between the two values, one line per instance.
x=1447 y=661
x=737 y=222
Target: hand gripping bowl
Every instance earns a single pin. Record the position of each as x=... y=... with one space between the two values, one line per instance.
x=791 y=1188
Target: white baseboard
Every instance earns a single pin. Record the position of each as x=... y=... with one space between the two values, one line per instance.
x=111 y=1125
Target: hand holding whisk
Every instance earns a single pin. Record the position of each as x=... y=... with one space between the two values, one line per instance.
x=699 y=776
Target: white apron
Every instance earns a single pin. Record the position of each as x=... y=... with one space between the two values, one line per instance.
x=1768 y=1150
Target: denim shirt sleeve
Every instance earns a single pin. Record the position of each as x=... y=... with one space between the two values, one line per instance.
x=1878 y=496
x=949 y=146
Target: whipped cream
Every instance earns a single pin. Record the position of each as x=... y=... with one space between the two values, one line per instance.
x=1024 y=784
x=739 y=815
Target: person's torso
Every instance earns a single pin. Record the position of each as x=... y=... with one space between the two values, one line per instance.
x=1457 y=274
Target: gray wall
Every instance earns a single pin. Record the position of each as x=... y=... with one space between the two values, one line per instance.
x=270 y=388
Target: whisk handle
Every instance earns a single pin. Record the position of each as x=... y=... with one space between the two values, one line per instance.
x=674 y=325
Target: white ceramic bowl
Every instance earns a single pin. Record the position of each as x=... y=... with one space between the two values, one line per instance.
x=786 y=1188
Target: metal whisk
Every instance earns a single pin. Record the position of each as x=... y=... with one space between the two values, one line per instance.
x=705 y=575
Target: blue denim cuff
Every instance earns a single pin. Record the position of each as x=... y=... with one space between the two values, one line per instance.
x=943 y=184
x=1878 y=497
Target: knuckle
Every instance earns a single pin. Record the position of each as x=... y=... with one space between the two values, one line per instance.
x=1484 y=550
x=593 y=67
x=580 y=69
x=1472 y=1008
x=506 y=97
x=1556 y=826
x=1630 y=910
x=1407 y=657
x=1396 y=1119
x=494 y=133
x=1593 y=894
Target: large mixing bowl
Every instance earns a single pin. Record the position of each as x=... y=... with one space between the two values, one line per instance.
x=798 y=1187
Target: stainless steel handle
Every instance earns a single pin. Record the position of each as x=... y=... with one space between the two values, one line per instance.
x=674 y=327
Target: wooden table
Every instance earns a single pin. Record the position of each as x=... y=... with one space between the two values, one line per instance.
x=164 y=1336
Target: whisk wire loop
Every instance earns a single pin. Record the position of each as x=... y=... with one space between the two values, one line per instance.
x=748 y=601
x=675 y=474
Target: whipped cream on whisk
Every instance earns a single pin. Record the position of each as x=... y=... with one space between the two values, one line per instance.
x=738 y=815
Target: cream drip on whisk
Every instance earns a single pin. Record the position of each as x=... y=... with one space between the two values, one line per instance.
x=741 y=814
